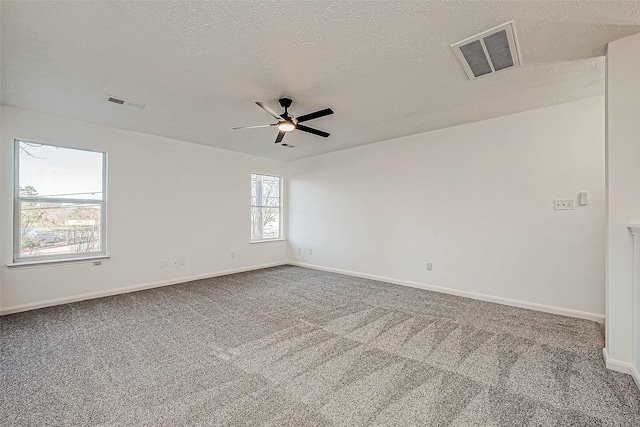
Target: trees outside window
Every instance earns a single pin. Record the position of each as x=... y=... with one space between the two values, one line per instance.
x=266 y=210
x=59 y=202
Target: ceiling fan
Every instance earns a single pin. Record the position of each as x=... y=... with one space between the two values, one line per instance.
x=287 y=123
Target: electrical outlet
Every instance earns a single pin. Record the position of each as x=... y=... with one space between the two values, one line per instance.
x=429 y=266
x=563 y=205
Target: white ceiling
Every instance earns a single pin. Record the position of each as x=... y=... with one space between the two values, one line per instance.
x=385 y=68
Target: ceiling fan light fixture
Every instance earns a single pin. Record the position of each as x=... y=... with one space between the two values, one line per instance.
x=286 y=126
x=287 y=123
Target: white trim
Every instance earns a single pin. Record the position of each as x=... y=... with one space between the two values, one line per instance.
x=53 y=262
x=636 y=376
x=617 y=365
x=267 y=240
x=473 y=295
x=635 y=231
x=110 y=292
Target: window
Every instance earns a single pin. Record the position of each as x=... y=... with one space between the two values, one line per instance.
x=266 y=210
x=59 y=202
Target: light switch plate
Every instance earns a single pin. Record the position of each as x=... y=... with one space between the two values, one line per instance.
x=583 y=198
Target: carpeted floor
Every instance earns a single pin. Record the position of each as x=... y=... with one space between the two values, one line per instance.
x=289 y=346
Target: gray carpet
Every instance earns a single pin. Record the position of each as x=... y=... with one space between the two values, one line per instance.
x=289 y=346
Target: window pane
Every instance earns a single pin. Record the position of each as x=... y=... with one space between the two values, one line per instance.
x=265 y=207
x=59 y=228
x=265 y=223
x=255 y=182
x=265 y=190
x=48 y=171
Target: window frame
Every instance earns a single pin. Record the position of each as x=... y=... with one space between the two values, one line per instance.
x=65 y=257
x=280 y=210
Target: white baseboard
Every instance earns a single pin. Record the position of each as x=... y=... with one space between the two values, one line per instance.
x=505 y=301
x=619 y=366
x=117 y=291
x=473 y=295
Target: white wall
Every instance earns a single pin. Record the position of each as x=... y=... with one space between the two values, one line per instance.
x=475 y=200
x=166 y=199
x=623 y=188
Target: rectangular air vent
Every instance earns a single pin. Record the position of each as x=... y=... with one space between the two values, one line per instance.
x=125 y=102
x=489 y=52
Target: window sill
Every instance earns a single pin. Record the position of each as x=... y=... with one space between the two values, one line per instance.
x=52 y=262
x=266 y=241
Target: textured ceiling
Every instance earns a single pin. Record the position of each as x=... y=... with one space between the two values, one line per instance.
x=385 y=68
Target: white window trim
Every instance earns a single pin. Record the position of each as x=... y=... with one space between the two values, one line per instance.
x=60 y=258
x=61 y=261
x=279 y=239
x=280 y=207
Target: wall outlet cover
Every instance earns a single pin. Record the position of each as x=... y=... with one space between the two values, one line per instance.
x=563 y=205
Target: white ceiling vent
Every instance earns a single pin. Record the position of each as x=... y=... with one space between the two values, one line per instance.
x=125 y=102
x=489 y=52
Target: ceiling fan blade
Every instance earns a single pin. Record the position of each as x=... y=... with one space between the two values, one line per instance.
x=312 y=130
x=279 y=137
x=256 y=126
x=268 y=109
x=315 y=115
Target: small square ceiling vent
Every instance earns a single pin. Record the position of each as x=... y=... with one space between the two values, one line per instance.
x=489 y=52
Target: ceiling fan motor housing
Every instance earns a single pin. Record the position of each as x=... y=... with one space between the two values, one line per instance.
x=285 y=103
